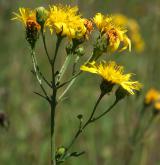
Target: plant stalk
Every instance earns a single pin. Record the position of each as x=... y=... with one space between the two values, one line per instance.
x=54 y=102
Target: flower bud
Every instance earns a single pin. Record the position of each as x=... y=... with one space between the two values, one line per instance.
x=41 y=15
x=106 y=87
x=120 y=93
x=60 y=152
x=80 y=117
x=80 y=51
x=32 y=32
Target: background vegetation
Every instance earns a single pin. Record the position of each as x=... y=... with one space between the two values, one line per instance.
x=26 y=141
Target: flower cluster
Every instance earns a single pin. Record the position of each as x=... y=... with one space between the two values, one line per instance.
x=133 y=31
x=67 y=22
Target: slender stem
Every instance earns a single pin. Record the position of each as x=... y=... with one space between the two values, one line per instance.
x=105 y=112
x=54 y=102
x=90 y=120
x=80 y=129
x=35 y=65
x=44 y=97
x=45 y=80
x=45 y=46
x=59 y=39
x=34 y=61
x=53 y=107
x=61 y=85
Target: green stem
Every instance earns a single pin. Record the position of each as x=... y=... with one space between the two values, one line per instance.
x=80 y=129
x=105 y=112
x=90 y=120
x=36 y=70
x=45 y=46
x=54 y=102
x=53 y=107
x=61 y=85
x=59 y=39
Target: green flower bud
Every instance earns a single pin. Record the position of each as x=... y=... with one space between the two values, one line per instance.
x=106 y=87
x=41 y=15
x=60 y=151
x=120 y=93
x=80 y=51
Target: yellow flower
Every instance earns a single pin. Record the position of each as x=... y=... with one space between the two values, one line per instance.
x=102 y=22
x=133 y=31
x=115 y=34
x=28 y=18
x=151 y=96
x=113 y=74
x=64 y=20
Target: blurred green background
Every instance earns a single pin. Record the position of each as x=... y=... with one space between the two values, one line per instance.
x=26 y=141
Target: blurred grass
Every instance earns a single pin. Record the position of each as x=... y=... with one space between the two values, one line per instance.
x=26 y=141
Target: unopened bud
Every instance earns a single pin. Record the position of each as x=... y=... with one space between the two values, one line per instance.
x=80 y=116
x=60 y=152
x=120 y=94
x=41 y=15
x=32 y=32
x=80 y=51
x=106 y=87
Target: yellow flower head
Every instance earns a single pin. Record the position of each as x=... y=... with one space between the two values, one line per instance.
x=133 y=30
x=113 y=74
x=151 y=96
x=115 y=34
x=64 y=20
x=27 y=17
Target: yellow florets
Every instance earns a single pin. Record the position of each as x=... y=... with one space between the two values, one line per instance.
x=26 y=15
x=115 y=34
x=28 y=18
x=64 y=20
x=133 y=30
x=114 y=74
